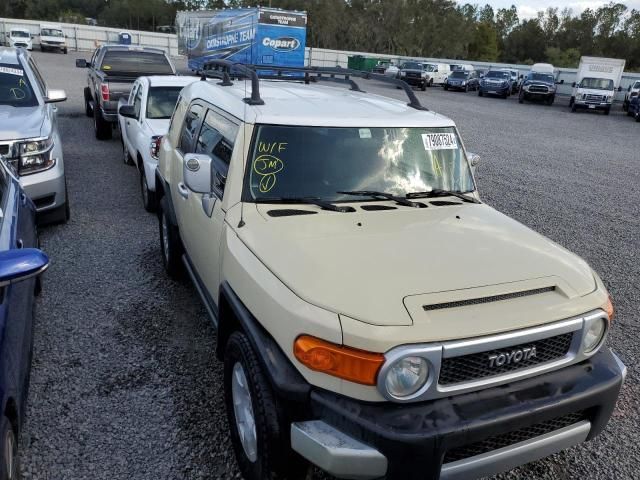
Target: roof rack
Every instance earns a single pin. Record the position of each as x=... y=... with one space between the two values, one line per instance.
x=226 y=70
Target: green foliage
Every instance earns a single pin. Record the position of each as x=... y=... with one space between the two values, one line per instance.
x=420 y=28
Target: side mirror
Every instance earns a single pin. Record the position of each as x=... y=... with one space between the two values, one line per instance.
x=127 y=111
x=55 y=96
x=561 y=82
x=82 y=63
x=21 y=264
x=474 y=160
x=619 y=89
x=196 y=171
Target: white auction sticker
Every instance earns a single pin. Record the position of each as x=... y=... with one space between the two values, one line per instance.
x=440 y=141
x=12 y=71
x=364 y=133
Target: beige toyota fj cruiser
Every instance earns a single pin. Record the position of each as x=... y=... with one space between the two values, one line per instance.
x=375 y=317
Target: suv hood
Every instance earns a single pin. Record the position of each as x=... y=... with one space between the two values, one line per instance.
x=366 y=264
x=22 y=122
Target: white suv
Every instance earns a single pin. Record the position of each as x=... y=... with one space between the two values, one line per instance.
x=375 y=318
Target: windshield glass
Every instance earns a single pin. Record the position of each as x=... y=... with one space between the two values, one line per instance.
x=429 y=68
x=636 y=85
x=498 y=74
x=19 y=34
x=162 y=101
x=49 y=32
x=542 y=77
x=318 y=162
x=459 y=74
x=411 y=66
x=15 y=89
x=128 y=62
x=597 y=83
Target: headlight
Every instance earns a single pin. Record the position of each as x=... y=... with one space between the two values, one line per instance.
x=594 y=335
x=35 y=156
x=464 y=83
x=406 y=376
x=403 y=74
x=609 y=98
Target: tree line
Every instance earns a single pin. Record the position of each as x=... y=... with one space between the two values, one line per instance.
x=416 y=28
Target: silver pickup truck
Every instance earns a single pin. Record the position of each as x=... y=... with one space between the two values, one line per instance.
x=112 y=71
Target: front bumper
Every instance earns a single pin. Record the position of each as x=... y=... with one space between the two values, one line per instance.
x=54 y=46
x=46 y=189
x=353 y=439
x=592 y=105
x=415 y=81
x=495 y=90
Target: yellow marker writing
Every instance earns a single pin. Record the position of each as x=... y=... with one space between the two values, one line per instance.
x=270 y=147
x=267 y=166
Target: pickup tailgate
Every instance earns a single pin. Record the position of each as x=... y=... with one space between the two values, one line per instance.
x=119 y=87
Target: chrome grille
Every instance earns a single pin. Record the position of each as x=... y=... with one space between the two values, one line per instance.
x=594 y=98
x=477 y=366
x=538 y=89
x=511 y=438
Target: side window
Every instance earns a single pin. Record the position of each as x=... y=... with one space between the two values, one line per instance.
x=137 y=103
x=189 y=128
x=216 y=140
x=42 y=86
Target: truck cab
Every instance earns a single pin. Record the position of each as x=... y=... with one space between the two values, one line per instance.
x=52 y=38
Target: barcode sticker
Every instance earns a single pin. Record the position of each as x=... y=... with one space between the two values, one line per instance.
x=440 y=141
x=12 y=71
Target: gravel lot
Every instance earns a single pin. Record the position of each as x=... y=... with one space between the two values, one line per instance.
x=124 y=382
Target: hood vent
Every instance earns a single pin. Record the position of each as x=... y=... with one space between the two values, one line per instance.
x=443 y=203
x=494 y=298
x=288 y=212
x=377 y=207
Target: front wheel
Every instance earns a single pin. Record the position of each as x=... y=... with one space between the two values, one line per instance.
x=607 y=110
x=66 y=51
x=446 y=87
x=521 y=98
x=149 y=199
x=100 y=125
x=259 y=435
x=9 y=466
x=550 y=100
x=88 y=110
x=480 y=92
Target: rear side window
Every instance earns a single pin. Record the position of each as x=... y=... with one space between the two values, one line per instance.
x=15 y=88
x=131 y=61
x=189 y=127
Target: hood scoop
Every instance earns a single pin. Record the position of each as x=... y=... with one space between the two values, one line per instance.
x=493 y=298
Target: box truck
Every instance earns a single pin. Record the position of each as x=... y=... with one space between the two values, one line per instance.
x=259 y=36
x=596 y=83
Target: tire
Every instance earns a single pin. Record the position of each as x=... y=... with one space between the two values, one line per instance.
x=65 y=51
x=638 y=116
x=574 y=108
x=572 y=100
x=431 y=83
x=480 y=94
x=268 y=449
x=551 y=100
x=101 y=127
x=149 y=198
x=170 y=245
x=423 y=87
x=505 y=96
x=126 y=158
x=625 y=107
x=9 y=468
x=521 y=98
x=446 y=87
x=607 y=110
x=88 y=110
x=466 y=88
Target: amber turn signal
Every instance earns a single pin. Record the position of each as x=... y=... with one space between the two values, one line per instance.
x=608 y=307
x=343 y=362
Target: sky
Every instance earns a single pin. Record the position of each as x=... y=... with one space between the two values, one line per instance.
x=529 y=8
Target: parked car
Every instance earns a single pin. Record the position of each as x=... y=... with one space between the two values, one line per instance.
x=539 y=84
x=31 y=140
x=634 y=108
x=381 y=67
x=392 y=71
x=112 y=71
x=462 y=80
x=286 y=213
x=21 y=263
x=632 y=91
x=52 y=37
x=496 y=82
x=515 y=80
x=437 y=73
x=414 y=74
x=144 y=119
x=20 y=37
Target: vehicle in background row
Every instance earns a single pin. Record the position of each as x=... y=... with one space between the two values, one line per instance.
x=515 y=80
x=52 y=37
x=632 y=91
x=144 y=119
x=461 y=66
x=462 y=80
x=414 y=74
x=20 y=37
x=597 y=81
x=437 y=73
x=29 y=136
x=495 y=82
x=634 y=108
x=381 y=67
x=539 y=84
x=112 y=71
x=21 y=264
x=286 y=212
x=392 y=71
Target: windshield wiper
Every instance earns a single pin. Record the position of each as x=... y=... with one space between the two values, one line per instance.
x=437 y=192
x=307 y=200
x=383 y=195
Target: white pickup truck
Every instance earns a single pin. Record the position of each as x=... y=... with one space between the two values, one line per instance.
x=143 y=119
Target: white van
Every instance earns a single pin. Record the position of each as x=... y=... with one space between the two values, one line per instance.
x=20 y=37
x=596 y=83
x=467 y=67
x=437 y=73
x=52 y=38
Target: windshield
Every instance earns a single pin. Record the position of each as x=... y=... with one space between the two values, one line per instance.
x=318 y=162
x=15 y=89
x=597 y=83
x=498 y=74
x=19 y=34
x=411 y=66
x=459 y=74
x=636 y=85
x=49 y=32
x=131 y=61
x=162 y=101
x=542 y=77
x=429 y=68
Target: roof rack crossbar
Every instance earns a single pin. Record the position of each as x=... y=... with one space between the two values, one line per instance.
x=316 y=78
x=231 y=68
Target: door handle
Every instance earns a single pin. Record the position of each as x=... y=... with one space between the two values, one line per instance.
x=183 y=190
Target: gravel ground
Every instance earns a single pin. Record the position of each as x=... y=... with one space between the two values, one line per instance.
x=124 y=382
